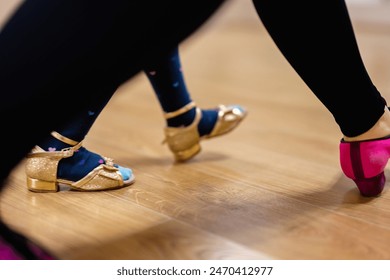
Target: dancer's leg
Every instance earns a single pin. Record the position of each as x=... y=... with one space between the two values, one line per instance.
x=318 y=40
x=186 y=123
x=57 y=56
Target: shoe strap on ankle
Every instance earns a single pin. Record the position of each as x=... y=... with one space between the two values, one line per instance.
x=67 y=152
x=64 y=139
x=180 y=111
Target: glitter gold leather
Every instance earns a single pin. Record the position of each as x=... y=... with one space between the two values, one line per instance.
x=41 y=171
x=184 y=142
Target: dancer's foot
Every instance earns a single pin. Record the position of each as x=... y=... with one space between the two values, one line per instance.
x=183 y=141
x=364 y=158
x=72 y=164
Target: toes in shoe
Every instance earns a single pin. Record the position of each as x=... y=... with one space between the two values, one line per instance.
x=229 y=117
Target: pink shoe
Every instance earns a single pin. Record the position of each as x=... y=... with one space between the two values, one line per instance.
x=14 y=246
x=9 y=252
x=364 y=162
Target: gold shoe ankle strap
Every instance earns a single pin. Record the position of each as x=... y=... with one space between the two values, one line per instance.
x=64 y=139
x=67 y=152
x=180 y=111
x=64 y=153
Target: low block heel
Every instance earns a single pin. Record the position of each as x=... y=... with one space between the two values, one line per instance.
x=187 y=154
x=371 y=187
x=36 y=185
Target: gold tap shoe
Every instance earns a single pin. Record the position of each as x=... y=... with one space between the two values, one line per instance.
x=184 y=142
x=41 y=171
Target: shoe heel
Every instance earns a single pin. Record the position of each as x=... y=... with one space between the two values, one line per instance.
x=187 y=154
x=36 y=185
x=370 y=187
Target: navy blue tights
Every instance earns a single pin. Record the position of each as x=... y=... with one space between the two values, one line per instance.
x=167 y=80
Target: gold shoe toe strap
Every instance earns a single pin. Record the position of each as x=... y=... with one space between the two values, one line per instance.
x=109 y=162
x=103 y=177
x=228 y=118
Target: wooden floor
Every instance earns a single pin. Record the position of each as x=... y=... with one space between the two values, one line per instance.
x=272 y=189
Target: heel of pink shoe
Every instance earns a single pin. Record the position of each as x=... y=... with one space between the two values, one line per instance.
x=370 y=187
